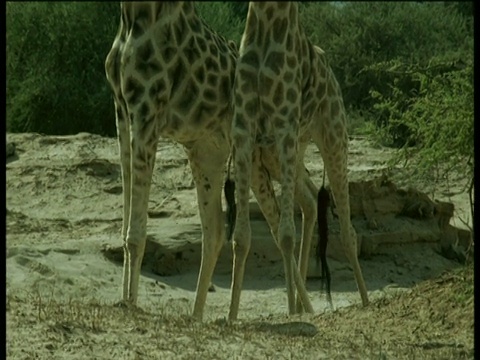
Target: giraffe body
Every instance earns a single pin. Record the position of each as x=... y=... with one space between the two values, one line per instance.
x=285 y=94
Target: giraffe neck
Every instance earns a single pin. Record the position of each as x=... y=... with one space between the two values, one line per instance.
x=265 y=20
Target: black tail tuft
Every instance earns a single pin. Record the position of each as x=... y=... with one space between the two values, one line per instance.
x=229 y=191
x=323 y=201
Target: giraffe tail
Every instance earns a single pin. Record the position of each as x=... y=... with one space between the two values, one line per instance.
x=323 y=202
x=229 y=192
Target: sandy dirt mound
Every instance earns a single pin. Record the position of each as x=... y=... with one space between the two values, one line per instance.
x=64 y=262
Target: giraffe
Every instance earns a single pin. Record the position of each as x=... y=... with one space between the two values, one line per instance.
x=171 y=76
x=285 y=93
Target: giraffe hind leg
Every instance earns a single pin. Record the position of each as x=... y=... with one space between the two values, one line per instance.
x=242 y=232
x=207 y=166
x=306 y=200
x=334 y=153
x=323 y=200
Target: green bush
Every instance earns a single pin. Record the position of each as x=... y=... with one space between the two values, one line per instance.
x=438 y=120
x=360 y=34
x=56 y=79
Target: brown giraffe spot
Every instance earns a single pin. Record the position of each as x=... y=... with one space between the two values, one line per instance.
x=213 y=50
x=144 y=110
x=269 y=13
x=267 y=108
x=250 y=58
x=275 y=61
x=292 y=95
x=289 y=43
x=146 y=64
x=238 y=100
x=212 y=80
x=200 y=74
x=189 y=96
x=280 y=25
x=284 y=110
x=265 y=85
x=133 y=90
x=225 y=87
x=191 y=51
x=177 y=75
x=251 y=107
x=212 y=64
x=291 y=61
x=279 y=123
x=195 y=26
x=278 y=96
x=202 y=44
x=169 y=53
x=288 y=77
x=209 y=95
x=261 y=31
x=141 y=20
x=223 y=61
x=180 y=28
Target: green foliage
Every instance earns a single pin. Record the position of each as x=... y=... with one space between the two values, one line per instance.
x=439 y=119
x=360 y=34
x=56 y=79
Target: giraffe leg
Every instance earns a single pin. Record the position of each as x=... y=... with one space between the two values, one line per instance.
x=307 y=203
x=242 y=232
x=144 y=146
x=265 y=195
x=123 y=134
x=207 y=165
x=286 y=141
x=334 y=153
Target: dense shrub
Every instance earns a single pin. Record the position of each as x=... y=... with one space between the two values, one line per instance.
x=438 y=120
x=55 y=74
x=360 y=34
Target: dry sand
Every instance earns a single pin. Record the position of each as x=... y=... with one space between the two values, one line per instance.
x=64 y=209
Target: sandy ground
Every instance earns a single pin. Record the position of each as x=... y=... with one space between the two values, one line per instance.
x=64 y=267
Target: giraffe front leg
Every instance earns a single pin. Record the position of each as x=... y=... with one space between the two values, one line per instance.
x=123 y=138
x=207 y=166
